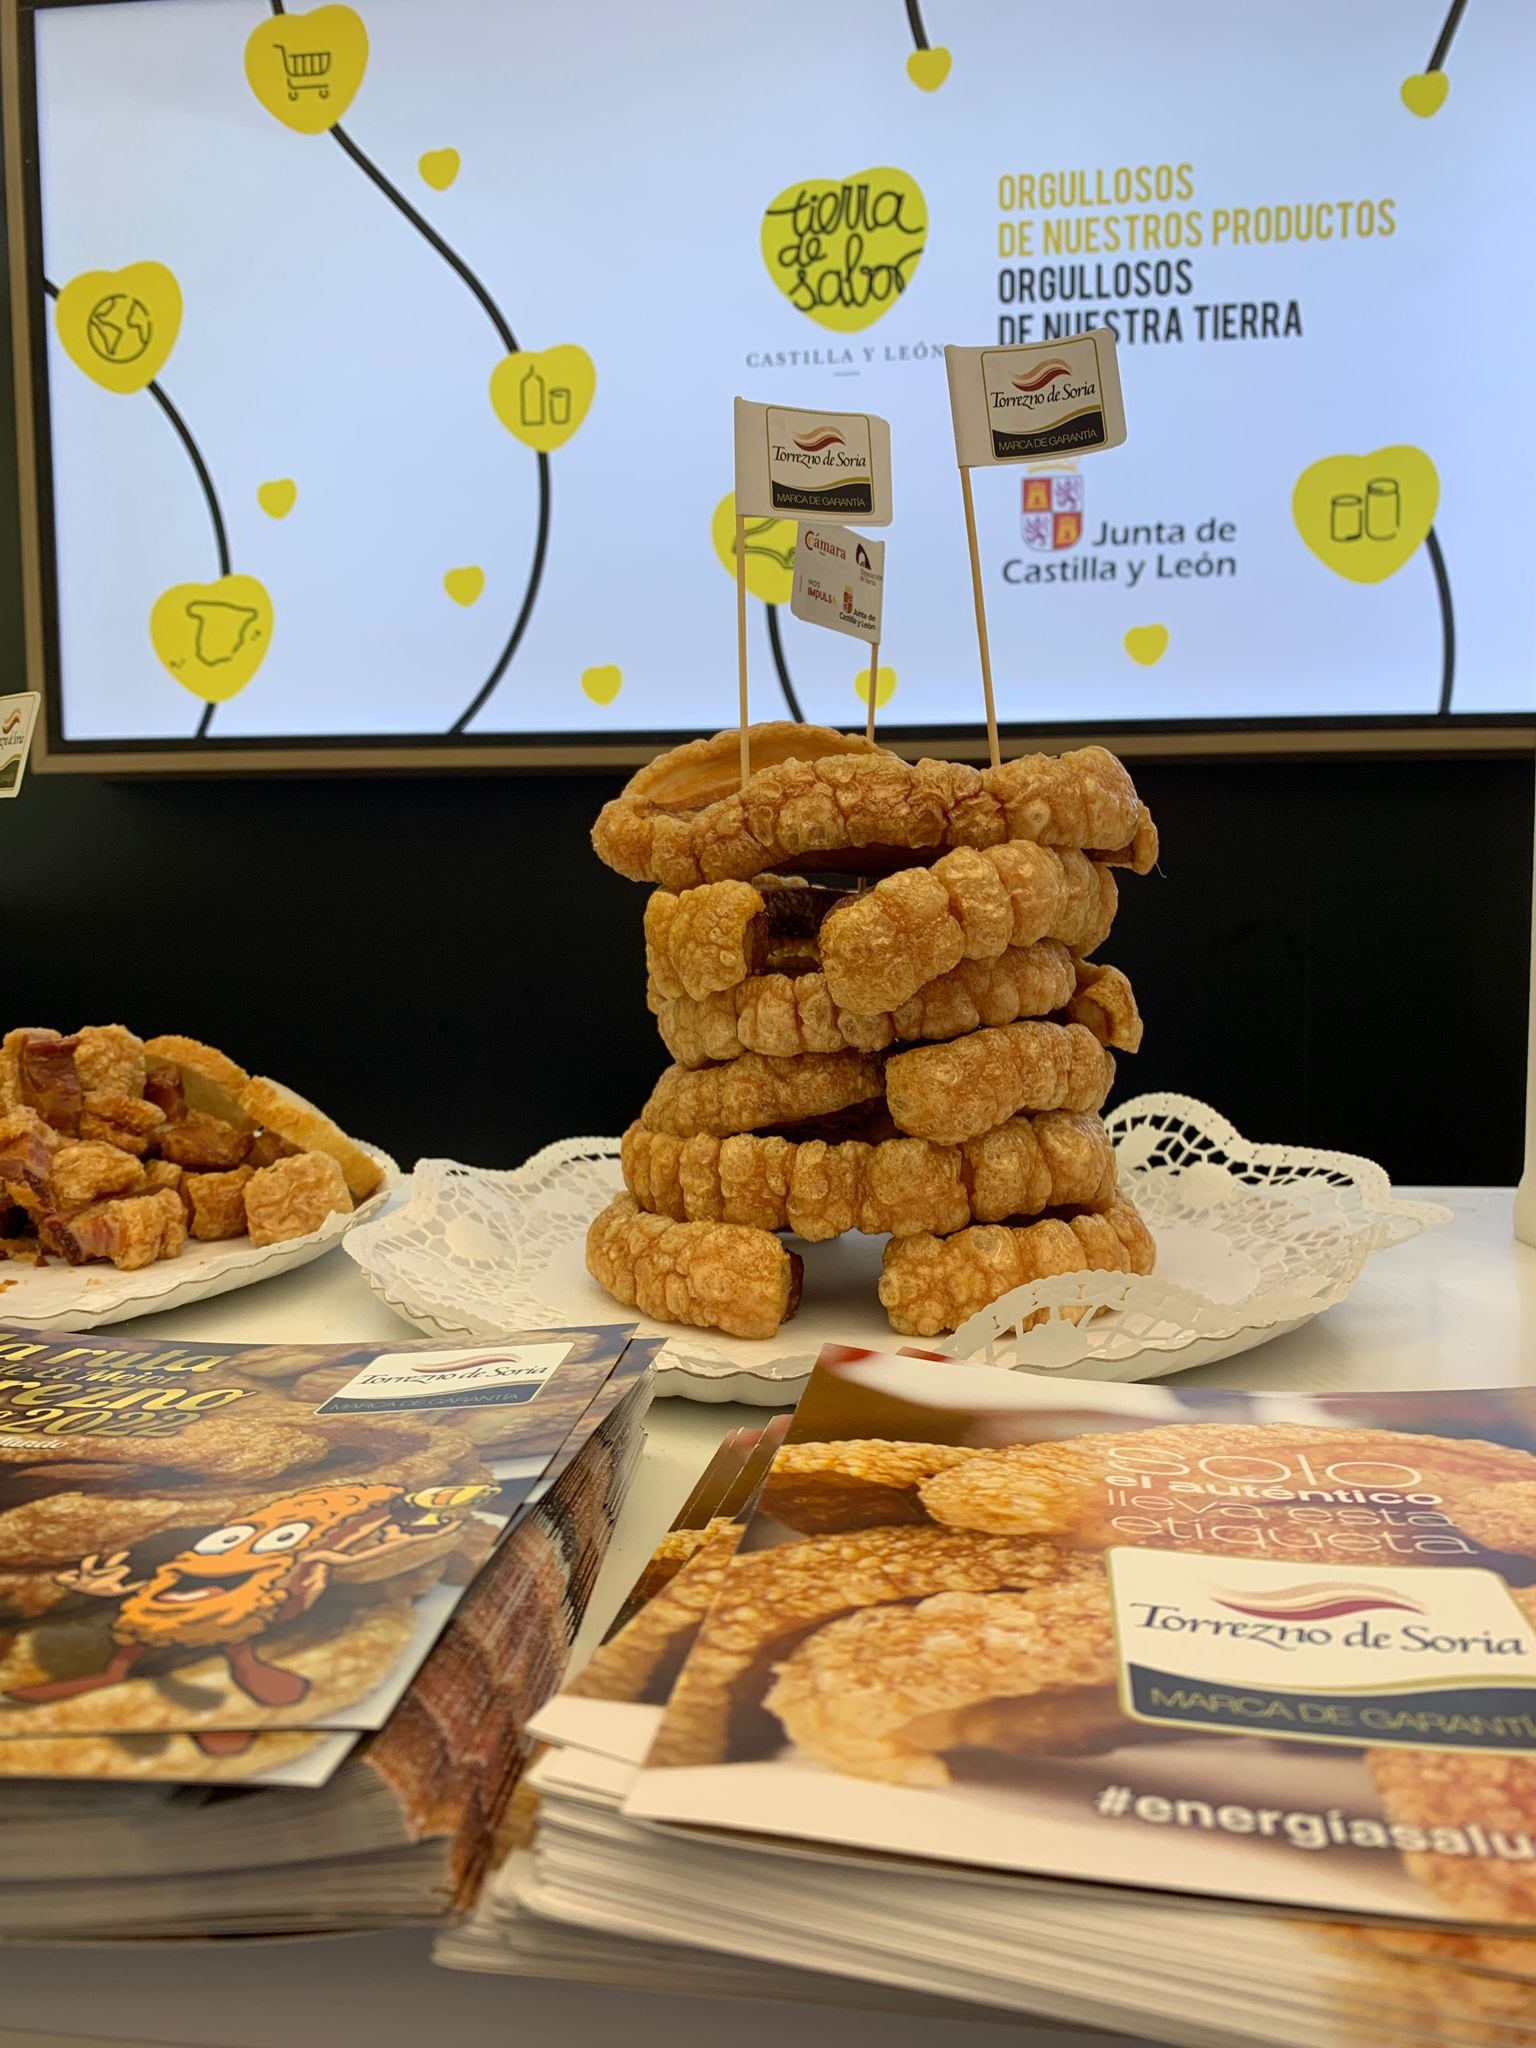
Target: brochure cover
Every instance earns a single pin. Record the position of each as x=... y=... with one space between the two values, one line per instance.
x=613 y=1705
x=1263 y=1647
x=220 y=1540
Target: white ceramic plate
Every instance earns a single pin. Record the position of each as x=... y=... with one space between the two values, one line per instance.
x=1253 y=1240
x=60 y=1297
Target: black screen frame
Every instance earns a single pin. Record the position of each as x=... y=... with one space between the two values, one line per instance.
x=1449 y=732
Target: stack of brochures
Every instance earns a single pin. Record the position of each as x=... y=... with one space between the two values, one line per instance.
x=273 y=1620
x=1190 y=1715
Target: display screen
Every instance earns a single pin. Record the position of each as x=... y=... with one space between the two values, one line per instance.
x=386 y=360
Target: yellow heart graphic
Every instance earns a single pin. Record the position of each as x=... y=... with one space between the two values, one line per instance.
x=770 y=551
x=213 y=636
x=885 y=686
x=843 y=250
x=278 y=498
x=438 y=168
x=1147 y=644
x=464 y=585
x=120 y=326
x=1363 y=515
x=1425 y=93
x=928 y=69
x=602 y=685
x=542 y=395
x=306 y=68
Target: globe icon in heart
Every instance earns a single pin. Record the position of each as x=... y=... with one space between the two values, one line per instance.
x=119 y=328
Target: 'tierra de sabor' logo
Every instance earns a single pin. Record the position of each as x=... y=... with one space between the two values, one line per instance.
x=1436 y=1657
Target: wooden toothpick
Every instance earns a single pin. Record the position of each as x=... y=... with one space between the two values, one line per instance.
x=874 y=684
x=981 y=619
x=741 y=646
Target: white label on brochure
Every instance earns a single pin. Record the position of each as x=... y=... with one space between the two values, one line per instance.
x=484 y=1376
x=799 y=465
x=1028 y=404
x=839 y=580
x=1418 y=1654
x=18 y=715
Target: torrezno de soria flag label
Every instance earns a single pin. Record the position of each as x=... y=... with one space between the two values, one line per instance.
x=1325 y=1652
x=1024 y=404
x=809 y=465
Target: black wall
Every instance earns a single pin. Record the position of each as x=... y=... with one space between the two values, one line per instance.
x=1334 y=952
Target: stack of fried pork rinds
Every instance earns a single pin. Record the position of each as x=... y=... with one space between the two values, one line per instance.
x=113 y=1147
x=924 y=1059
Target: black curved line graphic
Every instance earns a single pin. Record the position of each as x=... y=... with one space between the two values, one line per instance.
x=200 y=470
x=1447 y=36
x=920 y=34
x=508 y=340
x=1447 y=622
x=781 y=665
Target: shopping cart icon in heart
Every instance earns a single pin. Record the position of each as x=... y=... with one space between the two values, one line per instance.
x=306 y=71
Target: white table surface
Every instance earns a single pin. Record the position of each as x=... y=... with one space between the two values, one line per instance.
x=1454 y=1309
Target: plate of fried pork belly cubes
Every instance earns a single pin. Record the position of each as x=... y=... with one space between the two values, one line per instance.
x=137 y=1174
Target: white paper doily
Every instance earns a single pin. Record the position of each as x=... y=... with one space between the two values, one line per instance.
x=1252 y=1240
x=57 y=1296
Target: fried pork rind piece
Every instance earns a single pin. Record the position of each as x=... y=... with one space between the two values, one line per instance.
x=28 y=1147
x=278 y=1109
x=1066 y=1489
x=771 y=1598
x=256 y=1438
x=344 y=1653
x=163 y=1087
x=173 y=1759
x=1500 y=1517
x=1429 y=1788
x=700 y=941
x=27 y=1594
x=640 y=1662
x=752 y=1093
x=205 y=1144
x=111 y=1057
x=161 y=1173
x=929 y=1284
x=882 y=1694
x=710 y=938
x=216 y=1203
x=45 y=1077
x=896 y=1188
x=83 y=1172
x=1105 y=1002
x=784 y=1015
x=133 y=1231
x=294 y=1196
x=210 y=1081
x=712 y=1276
x=110 y=1117
x=959 y=1089
x=59 y=1528
x=861 y=1483
x=817 y=797
x=878 y=949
